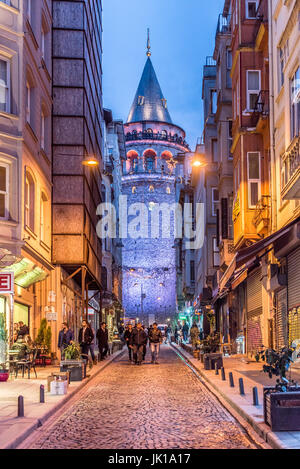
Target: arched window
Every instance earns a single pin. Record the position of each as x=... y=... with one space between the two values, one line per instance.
x=168 y=190
x=166 y=155
x=43 y=216
x=149 y=160
x=150 y=132
x=151 y=188
x=133 y=159
x=164 y=134
x=29 y=201
x=133 y=190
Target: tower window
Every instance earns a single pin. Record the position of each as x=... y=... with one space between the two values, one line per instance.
x=141 y=100
x=151 y=189
x=134 y=190
x=168 y=190
x=164 y=103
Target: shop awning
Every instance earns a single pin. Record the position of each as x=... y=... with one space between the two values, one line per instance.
x=246 y=254
x=26 y=273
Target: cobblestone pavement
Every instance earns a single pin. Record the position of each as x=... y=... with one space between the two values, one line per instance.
x=145 y=407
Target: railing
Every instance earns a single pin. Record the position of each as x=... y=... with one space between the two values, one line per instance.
x=132 y=136
x=210 y=61
x=224 y=24
x=261 y=108
x=291 y=163
x=164 y=173
x=262 y=210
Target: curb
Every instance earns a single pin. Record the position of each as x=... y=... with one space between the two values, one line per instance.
x=41 y=421
x=262 y=430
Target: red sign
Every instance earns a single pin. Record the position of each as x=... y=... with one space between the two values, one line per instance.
x=6 y=283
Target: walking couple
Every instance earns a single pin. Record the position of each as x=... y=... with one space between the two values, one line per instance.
x=136 y=339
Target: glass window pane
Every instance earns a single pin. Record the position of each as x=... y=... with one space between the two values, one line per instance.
x=254 y=193
x=2 y=205
x=253 y=159
x=2 y=179
x=253 y=80
x=253 y=100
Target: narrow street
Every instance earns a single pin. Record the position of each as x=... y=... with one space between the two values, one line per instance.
x=150 y=407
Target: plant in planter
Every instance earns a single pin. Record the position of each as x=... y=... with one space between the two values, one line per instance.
x=282 y=401
x=209 y=347
x=4 y=372
x=73 y=363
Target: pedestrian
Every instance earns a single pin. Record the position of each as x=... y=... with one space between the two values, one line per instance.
x=137 y=341
x=85 y=339
x=23 y=329
x=102 y=338
x=185 y=331
x=168 y=334
x=145 y=345
x=65 y=338
x=155 y=339
x=127 y=336
x=176 y=334
x=194 y=335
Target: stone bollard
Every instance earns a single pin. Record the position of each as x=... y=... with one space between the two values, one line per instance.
x=223 y=374
x=42 y=394
x=20 y=406
x=216 y=369
x=231 y=380
x=255 y=396
x=241 y=386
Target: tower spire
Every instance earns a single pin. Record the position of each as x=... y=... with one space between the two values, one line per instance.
x=148 y=43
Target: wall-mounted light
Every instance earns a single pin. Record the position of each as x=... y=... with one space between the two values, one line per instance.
x=90 y=161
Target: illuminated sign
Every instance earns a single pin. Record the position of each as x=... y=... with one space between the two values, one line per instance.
x=6 y=283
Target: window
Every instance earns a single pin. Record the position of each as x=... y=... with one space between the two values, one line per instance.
x=28 y=102
x=215 y=201
x=4 y=193
x=230 y=222
x=4 y=85
x=151 y=189
x=216 y=252
x=43 y=35
x=43 y=216
x=253 y=88
x=141 y=100
x=251 y=9
x=230 y=139
x=213 y=101
x=295 y=103
x=133 y=190
x=283 y=54
x=229 y=67
x=43 y=119
x=253 y=179
x=164 y=103
x=28 y=10
x=237 y=177
x=168 y=190
x=192 y=271
x=29 y=201
x=214 y=150
x=284 y=172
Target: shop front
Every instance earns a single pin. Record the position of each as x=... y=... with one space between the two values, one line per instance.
x=293 y=263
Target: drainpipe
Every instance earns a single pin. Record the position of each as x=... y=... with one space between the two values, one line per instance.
x=273 y=186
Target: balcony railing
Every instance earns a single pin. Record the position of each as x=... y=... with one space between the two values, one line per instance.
x=261 y=108
x=210 y=61
x=291 y=168
x=224 y=24
x=132 y=136
x=262 y=210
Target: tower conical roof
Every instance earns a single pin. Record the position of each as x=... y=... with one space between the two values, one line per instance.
x=149 y=103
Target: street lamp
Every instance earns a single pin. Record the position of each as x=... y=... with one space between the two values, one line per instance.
x=90 y=161
x=199 y=161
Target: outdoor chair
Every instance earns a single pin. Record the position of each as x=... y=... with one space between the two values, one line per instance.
x=27 y=364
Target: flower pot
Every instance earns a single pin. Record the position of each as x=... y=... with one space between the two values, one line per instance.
x=282 y=409
x=76 y=368
x=4 y=375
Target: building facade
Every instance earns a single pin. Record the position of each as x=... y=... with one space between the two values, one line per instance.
x=149 y=178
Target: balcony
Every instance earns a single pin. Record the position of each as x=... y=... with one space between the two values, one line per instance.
x=224 y=24
x=164 y=137
x=262 y=215
x=291 y=172
x=261 y=110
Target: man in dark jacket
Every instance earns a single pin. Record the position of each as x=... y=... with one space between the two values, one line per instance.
x=65 y=338
x=85 y=339
x=23 y=329
x=102 y=338
x=137 y=341
x=127 y=337
x=155 y=339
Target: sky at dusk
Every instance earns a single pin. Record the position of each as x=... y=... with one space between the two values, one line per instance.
x=182 y=35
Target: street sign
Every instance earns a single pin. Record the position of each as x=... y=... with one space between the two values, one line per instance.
x=6 y=283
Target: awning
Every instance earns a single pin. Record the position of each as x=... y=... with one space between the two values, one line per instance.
x=228 y=273
x=246 y=254
x=26 y=273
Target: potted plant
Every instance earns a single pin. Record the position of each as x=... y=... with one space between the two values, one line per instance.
x=282 y=401
x=4 y=372
x=73 y=363
x=209 y=347
x=43 y=342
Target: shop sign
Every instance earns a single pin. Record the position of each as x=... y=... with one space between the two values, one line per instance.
x=51 y=316
x=6 y=283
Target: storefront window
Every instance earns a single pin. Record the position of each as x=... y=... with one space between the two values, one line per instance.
x=3 y=331
x=21 y=313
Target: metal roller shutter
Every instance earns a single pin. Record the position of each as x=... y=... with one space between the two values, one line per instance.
x=254 y=311
x=294 y=279
x=281 y=319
